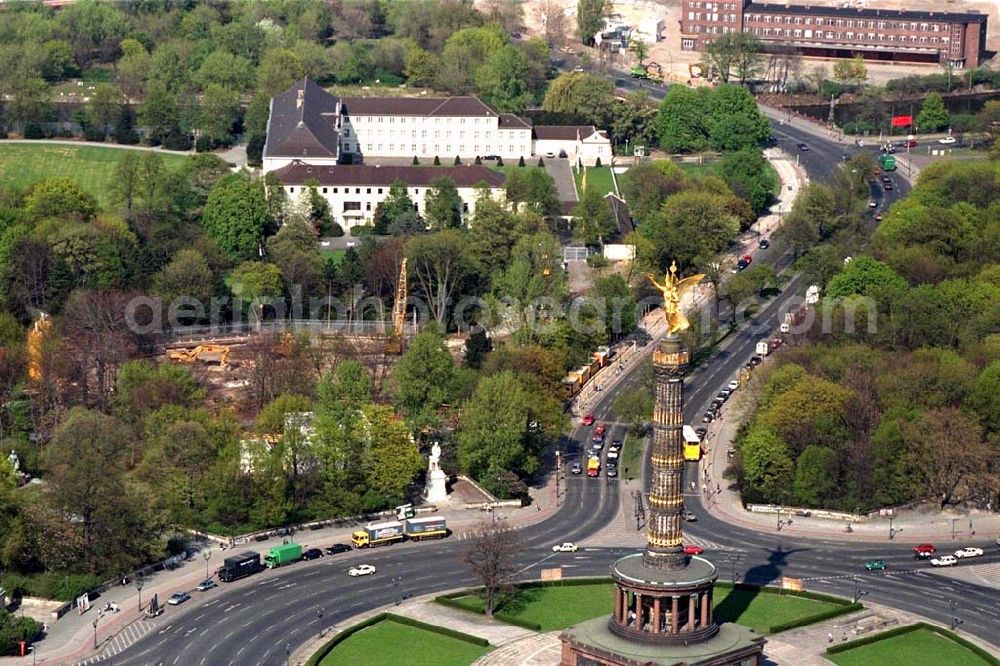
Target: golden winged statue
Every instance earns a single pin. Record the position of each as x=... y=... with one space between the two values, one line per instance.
x=673 y=289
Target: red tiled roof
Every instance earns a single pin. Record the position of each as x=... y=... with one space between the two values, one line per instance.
x=298 y=172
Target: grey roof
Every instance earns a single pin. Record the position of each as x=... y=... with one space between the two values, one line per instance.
x=417 y=106
x=302 y=123
x=697 y=572
x=298 y=172
x=872 y=12
x=623 y=216
x=511 y=121
x=565 y=132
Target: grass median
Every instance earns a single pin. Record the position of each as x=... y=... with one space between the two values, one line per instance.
x=388 y=642
x=560 y=606
x=921 y=647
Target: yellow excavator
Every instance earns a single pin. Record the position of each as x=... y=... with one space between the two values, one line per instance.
x=207 y=354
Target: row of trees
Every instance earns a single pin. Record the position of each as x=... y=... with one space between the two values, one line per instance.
x=896 y=400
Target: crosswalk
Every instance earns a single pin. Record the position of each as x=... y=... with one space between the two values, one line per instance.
x=121 y=641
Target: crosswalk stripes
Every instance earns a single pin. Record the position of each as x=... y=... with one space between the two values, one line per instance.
x=121 y=641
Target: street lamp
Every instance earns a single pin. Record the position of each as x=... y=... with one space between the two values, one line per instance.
x=953 y=521
x=857 y=592
x=96 y=620
x=139 y=582
x=396 y=580
x=207 y=554
x=893 y=531
x=953 y=606
x=558 y=474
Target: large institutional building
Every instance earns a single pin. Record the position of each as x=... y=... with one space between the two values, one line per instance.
x=356 y=147
x=953 y=38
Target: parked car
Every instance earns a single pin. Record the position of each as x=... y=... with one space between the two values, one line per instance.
x=567 y=547
x=924 y=550
x=598 y=441
x=361 y=570
x=873 y=204
x=944 y=561
x=690 y=517
x=969 y=551
x=764 y=244
x=725 y=393
x=312 y=554
x=612 y=455
x=562 y=153
x=491 y=158
x=701 y=431
x=886 y=179
x=733 y=385
x=887 y=187
x=756 y=360
x=616 y=445
x=875 y=565
x=338 y=548
x=206 y=585
x=708 y=417
x=802 y=146
x=588 y=420
x=911 y=143
x=692 y=549
x=177 y=598
x=576 y=468
x=611 y=470
x=600 y=429
x=948 y=140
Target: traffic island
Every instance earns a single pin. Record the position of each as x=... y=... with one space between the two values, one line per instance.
x=387 y=639
x=919 y=644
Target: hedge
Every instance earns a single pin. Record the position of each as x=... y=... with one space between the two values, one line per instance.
x=320 y=654
x=813 y=619
x=941 y=631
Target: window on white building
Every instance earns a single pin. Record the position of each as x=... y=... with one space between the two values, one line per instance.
x=291 y=190
x=352 y=205
x=324 y=190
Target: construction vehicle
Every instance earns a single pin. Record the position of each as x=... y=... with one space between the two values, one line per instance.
x=35 y=338
x=650 y=71
x=208 y=354
x=395 y=343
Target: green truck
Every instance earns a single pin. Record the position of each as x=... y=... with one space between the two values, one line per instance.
x=887 y=162
x=283 y=554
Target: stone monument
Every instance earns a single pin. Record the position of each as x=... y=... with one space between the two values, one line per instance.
x=663 y=598
x=437 y=489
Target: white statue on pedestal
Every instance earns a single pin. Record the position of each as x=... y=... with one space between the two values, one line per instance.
x=437 y=490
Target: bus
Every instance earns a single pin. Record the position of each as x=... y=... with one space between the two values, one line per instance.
x=887 y=162
x=692 y=444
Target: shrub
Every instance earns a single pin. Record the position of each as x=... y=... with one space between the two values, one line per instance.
x=597 y=260
x=33 y=131
x=126 y=136
x=335 y=230
x=255 y=150
x=15 y=629
x=49 y=585
x=831 y=88
x=458 y=161
x=415 y=162
x=437 y=161
x=499 y=161
x=478 y=160
x=598 y=162
x=520 y=161
x=203 y=144
x=363 y=230
x=541 y=162
x=177 y=140
x=95 y=134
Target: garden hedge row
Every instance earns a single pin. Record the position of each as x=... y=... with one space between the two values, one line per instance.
x=813 y=619
x=950 y=635
x=320 y=654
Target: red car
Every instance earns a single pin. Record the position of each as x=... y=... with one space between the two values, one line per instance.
x=599 y=430
x=924 y=550
x=588 y=420
x=691 y=549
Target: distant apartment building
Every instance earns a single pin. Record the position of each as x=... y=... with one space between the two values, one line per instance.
x=954 y=38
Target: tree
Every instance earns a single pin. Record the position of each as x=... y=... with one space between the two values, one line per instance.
x=863 y=276
x=59 y=197
x=768 y=470
x=477 y=346
x=465 y=52
x=29 y=101
x=105 y=106
x=984 y=397
x=397 y=204
x=633 y=120
x=443 y=205
x=741 y=51
x=593 y=218
x=295 y=252
x=815 y=476
x=424 y=378
x=690 y=226
x=143 y=387
x=493 y=430
x=851 y=72
x=125 y=184
x=682 y=122
x=590 y=19
x=933 y=115
x=615 y=305
x=494 y=559
x=634 y=408
x=236 y=216
x=953 y=472
x=749 y=175
x=223 y=68
x=735 y=121
x=534 y=187
x=188 y=275
x=256 y=283
x=422 y=67
x=159 y=111
x=586 y=96
x=551 y=16
x=87 y=479
x=219 y=106
x=503 y=79
x=440 y=262
x=391 y=459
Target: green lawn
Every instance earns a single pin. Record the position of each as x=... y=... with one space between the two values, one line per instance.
x=631 y=456
x=559 y=607
x=763 y=610
x=390 y=643
x=22 y=164
x=336 y=255
x=915 y=648
x=599 y=177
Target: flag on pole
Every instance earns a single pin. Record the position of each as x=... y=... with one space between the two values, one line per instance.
x=902 y=121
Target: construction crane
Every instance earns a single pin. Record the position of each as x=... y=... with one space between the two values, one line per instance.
x=395 y=344
x=35 y=338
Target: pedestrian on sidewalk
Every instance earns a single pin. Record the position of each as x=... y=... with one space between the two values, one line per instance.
x=829 y=636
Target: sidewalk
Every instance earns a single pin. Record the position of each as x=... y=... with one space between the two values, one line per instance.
x=910 y=526
x=71 y=638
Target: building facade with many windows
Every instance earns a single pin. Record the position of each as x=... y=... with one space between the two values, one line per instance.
x=953 y=38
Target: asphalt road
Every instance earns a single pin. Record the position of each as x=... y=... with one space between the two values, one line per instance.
x=261 y=619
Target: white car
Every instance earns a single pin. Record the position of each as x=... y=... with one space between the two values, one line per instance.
x=948 y=140
x=872 y=204
x=565 y=548
x=969 y=551
x=944 y=561
x=361 y=570
x=733 y=385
